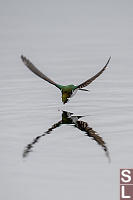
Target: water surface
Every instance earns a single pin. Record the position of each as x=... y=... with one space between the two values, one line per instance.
x=69 y=41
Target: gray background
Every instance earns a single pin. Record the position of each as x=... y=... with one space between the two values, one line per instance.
x=69 y=41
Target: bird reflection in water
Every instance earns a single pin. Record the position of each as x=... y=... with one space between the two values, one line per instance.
x=69 y=118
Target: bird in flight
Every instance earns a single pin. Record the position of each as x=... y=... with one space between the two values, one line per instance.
x=67 y=90
x=69 y=118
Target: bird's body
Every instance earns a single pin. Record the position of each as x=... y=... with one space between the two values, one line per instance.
x=69 y=90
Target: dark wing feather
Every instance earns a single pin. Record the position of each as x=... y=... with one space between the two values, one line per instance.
x=36 y=71
x=83 y=126
x=30 y=146
x=84 y=84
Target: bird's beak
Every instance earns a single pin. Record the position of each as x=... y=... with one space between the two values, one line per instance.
x=84 y=90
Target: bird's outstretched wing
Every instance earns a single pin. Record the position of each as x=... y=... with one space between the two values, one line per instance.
x=30 y=146
x=83 y=126
x=84 y=84
x=37 y=72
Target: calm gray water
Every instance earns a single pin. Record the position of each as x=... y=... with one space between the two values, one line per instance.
x=69 y=41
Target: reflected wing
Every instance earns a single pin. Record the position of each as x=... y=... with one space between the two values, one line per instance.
x=84 y=84
x=83 y=126
x=30 y=146
x=37 y=72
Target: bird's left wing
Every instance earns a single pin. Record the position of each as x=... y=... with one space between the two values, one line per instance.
x=30 y=146
x=37 y=71
x=84 y=84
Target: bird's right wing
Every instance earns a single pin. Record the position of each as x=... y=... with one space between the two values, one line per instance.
x=37 y=71
x=84 y=84
x=83 y=126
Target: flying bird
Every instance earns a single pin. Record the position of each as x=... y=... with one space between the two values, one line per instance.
x=69 y=118
x=68 y=90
